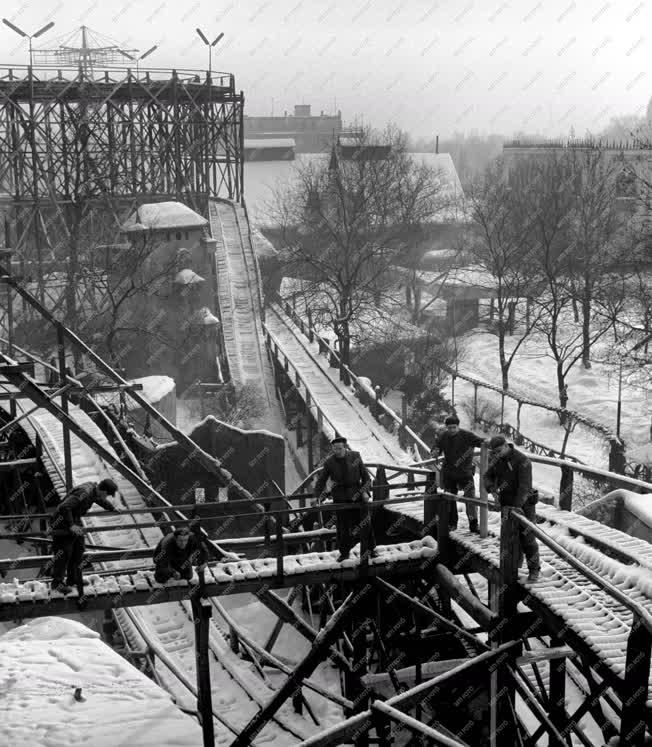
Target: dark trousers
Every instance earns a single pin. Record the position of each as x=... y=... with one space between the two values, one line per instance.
x=67 y=556
x=165 y=574
x=528 y=545
x=451 y=483
x=353 y=525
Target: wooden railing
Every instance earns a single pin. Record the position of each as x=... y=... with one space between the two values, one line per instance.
x=520 y=439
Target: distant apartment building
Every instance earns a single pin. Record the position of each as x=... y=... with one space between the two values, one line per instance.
x=633 y=161
x=311 y=133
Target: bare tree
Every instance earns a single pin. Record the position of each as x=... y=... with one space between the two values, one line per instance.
x=596 y=236
x=344 y=223
x=548 y=189
x=498 y=245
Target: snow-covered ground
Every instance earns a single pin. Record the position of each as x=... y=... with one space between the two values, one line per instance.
x=592 y=392
x=45 y=662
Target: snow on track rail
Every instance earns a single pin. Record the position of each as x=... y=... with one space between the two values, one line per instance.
x=239 y=299
x=348 y=415
x=237 y=693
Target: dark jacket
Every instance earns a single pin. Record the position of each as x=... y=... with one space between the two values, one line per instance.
x=75 y=505
x=510 y=479
x=349 y=475
x=168 y=556
x=458 y=451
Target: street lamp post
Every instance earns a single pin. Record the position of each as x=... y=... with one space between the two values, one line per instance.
x=35 y=35
x=210 y=46
x=137 y=60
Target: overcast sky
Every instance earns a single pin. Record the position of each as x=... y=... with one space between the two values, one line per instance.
x=431 y=67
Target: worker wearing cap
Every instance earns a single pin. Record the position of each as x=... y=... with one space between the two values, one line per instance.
x=509 y=478
x=458 y=446
x=351 y=488
x=68 y=542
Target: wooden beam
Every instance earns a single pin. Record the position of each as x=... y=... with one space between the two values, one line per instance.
x=17 y=464
x=201 y=612
x=283 y=610
x=466 y=600
x=326 y=638
x=434 y=736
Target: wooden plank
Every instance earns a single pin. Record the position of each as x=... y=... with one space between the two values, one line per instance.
x=59 y=605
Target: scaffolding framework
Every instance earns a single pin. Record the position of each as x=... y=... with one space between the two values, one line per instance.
x=71 y=139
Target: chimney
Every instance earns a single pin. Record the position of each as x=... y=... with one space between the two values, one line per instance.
x=302 y=110
x=437 y=144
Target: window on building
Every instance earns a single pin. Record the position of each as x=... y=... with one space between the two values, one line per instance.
x=187 y=235
x=178 y=235
x=167 y=236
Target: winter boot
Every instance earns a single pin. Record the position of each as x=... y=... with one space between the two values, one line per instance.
x=533 y=575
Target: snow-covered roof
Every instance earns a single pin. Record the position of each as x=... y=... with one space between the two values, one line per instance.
x=155 y=388
x=49 y=659
x=271 y=142
x=162 y=216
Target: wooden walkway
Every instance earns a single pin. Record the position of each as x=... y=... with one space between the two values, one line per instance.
x=36 y=599
x=584 y=615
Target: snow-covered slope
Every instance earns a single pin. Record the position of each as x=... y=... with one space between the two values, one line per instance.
x=47 y=660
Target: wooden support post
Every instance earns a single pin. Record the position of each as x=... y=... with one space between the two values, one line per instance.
x=299 y=429
x=201 y=609
x=502 y=687
x=279 y=623
x=430 y=507
x=443 y=538
x=320 y=431
x=518 y=416
x=401 y=432
x=234 y=641
x=637 y=678
x=280 y=545
x=566 y=489
x=358 y=693
x=557 y=689
x=311 y=435
x=453 y=390
x=475 y=404
x=283 y=610
x=304 y=669
x=377 y=408
x=484 y=496
x=61 y=345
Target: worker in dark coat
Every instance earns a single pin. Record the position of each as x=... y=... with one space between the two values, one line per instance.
x=176 y=554
x=509 y=478
x=457 y=446
x=351 y=489
x=68 y=541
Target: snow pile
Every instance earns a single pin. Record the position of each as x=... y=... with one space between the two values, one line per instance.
x=62 y=686
x=639 y=505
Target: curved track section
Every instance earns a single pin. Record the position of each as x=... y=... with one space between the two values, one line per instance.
x=345 y=413
x=237 y=692
x=239 y=299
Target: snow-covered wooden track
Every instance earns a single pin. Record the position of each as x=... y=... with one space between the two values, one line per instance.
x=344 y=412
x=237 y=692
x=590 y=618
x=239 y=298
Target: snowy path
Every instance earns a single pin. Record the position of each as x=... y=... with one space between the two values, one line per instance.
x=346 y=414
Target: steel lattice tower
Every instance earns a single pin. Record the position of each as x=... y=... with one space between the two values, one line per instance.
x=74 y=138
